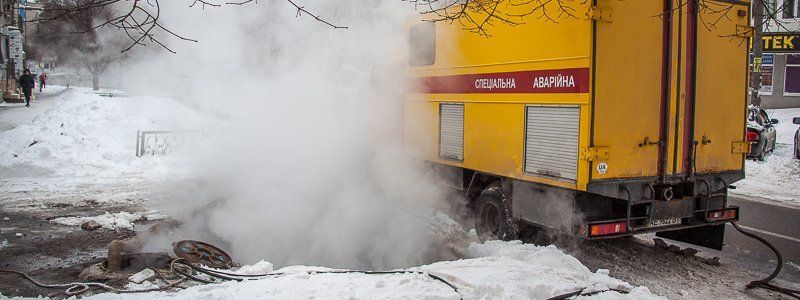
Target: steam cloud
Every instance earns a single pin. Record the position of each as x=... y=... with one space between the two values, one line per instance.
x=312 y=170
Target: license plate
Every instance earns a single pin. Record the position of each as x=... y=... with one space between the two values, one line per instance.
x=665 y=222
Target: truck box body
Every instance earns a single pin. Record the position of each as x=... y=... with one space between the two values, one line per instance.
x=626 y=100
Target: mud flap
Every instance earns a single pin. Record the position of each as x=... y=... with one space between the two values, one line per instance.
x=707 y=236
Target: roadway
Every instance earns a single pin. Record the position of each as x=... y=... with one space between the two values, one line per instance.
x=777 y=224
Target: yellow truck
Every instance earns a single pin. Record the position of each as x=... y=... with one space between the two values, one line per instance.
x=627 y=118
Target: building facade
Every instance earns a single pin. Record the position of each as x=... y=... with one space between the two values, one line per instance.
x=780 y=67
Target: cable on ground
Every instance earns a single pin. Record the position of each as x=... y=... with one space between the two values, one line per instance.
x=765 y=283
x=188 y=271
x=581 y=293
x=241 y=277
x=77 y=288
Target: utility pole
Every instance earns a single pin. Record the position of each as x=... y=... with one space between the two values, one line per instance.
x=758 y=47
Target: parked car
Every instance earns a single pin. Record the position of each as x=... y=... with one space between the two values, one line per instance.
x=796 y=120
x=761 y=133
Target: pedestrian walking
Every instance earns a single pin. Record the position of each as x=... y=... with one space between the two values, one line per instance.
x=28 y=83
x=42 y=81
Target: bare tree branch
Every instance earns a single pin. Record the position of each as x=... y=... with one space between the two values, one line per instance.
x=479 y=16
x=140 y=20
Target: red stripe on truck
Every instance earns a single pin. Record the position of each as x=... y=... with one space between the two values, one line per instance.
x=691 y=87
x=536 y=81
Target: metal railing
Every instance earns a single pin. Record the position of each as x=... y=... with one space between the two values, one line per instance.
x=152 y=143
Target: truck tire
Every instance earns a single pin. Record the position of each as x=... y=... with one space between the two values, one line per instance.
x=493 y=219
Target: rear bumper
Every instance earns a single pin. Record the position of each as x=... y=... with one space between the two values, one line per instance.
x=698 y=219
x=631 y=206
x=650 y=210
x=648 y=188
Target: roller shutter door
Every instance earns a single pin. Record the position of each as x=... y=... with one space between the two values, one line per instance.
x=451 y=131
x=551 y=141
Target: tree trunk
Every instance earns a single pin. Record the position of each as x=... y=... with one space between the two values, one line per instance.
x=95 y=81
x=758 y=43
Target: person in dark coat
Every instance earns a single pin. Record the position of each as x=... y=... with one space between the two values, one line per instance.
x=28 y=83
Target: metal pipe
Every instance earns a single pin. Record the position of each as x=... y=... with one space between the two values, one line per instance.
x=114 y=258
x=115 y=250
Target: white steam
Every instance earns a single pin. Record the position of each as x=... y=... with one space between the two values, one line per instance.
x=312 y=170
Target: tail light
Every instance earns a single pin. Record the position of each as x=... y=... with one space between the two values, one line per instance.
x=608 y=229
x=752 y=136
x=722 y=215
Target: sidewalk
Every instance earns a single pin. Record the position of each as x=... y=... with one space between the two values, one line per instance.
x=14 y=114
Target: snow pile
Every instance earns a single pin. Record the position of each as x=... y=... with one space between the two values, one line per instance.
x=120 y=220
x=524 y=271
x=776 y=178
x=261 y=267
x=87 y=134
x=499 y=270
x=785 y=129
x=304 y=284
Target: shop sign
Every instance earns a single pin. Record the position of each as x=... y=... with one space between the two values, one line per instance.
x=781 y=42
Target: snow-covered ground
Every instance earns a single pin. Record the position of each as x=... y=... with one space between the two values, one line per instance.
x=16 y=113
x=120 y=220
x=85 y=134
x=82 y=144
x=777 y=179
x=495 y=270
x=86 y=139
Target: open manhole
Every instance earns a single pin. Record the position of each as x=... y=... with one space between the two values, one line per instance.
x=135 y=262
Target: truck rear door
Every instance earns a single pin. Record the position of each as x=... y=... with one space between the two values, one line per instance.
x=627 y=104
x=669 y=87
x=720 y=102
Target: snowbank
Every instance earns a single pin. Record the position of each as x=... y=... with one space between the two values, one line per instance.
x=512 y=270
x=785 y=128
x=498 y=270
x=120 y=220
x=87 y=134
x=776 y=179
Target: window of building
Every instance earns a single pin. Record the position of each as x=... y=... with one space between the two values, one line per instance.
x=789 y=9
x=772 y=8
x=791 y=85
x=422 y=44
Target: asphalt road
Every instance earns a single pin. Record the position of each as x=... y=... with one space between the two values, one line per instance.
x=778 y=225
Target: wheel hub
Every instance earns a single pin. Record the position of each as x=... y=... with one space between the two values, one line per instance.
x=490 y=219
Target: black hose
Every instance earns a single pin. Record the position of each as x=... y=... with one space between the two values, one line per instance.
x=77 y=288
x=764 y=283
x=241 y=277
x=185 y=267
x=567 y=295
x=581 y=293
x=756 y=284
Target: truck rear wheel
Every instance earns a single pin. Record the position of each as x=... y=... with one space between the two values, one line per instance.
x=493 y=219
